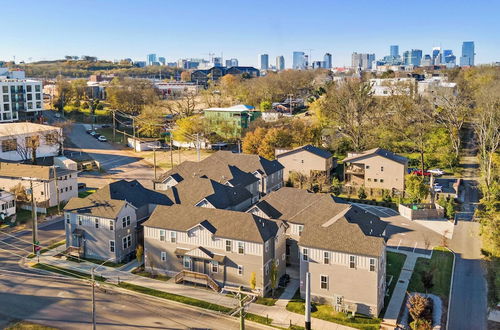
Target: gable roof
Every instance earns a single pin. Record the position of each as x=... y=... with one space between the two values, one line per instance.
x=328 y=223
x=16 y=170
x=193 y=190
x=226 y=224
x=310 y=148
x=380 y=152
x=247 y=162
x=108 y=201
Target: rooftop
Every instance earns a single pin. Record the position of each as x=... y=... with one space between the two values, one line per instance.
x=377 y=151
x=16 y=170
x=234 y=108
x=10 y=129
x=310 y=148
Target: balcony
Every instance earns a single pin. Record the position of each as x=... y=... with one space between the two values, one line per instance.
x=355 y=169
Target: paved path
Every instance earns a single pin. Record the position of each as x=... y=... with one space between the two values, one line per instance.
x=289 y=292
x=280 y=316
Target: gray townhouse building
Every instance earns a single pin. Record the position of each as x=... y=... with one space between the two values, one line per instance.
x=341 y=245
x=225 y=246
x=106 y=224
x=256 y=174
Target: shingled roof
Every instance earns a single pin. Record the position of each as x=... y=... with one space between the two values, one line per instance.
x=110 y=199
x=377 y=151
x=16 y=170
x=227 y=224
x=309 y=148
x=328 y=223
x=193 y=190
x=248 y=163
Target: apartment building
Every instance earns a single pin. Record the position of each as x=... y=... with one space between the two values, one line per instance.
x=307 y=160
x=376 y=168
x=19 y=98
x=106 y=224
x=18 y=140
x=341 y=245
x=51 y=184
x=257 y=174
x=7 y=203
x=226 y=246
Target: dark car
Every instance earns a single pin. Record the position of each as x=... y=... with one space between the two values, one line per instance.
x=284 y=280
x=106 y=126
x=81 y=185
x=89 y=131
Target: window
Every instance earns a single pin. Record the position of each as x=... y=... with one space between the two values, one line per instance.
x=375 y=180
x=173 y=237
x=124 y=222
x=66 y=189
x=29 y=97
x=266 y=246
x=305 y=256
x=67 y=216
x=163 y=256
x=96 y=221
x=79 y=220
x=215 y=267
x=324 y=282
x=128 y=220
x=228 y=245
x=6 y=98
x=187 y=262
x=38 y=96
x=111 y=225
x=326 y=257
x=241 y=247
x=111 y=246
x=352 y=261
x=127 y=241
x=381 y=168
x=240 y=270
x=5 y=89
x=301 y=229
x=70 y=187
x=37 y=88
x=381 y=180
x=162 y=235
x=372 y=265
x=339 y=300
x=9 y=145
x=369 y=180
x=38 y=105
x=28 y=88
x=62 y=190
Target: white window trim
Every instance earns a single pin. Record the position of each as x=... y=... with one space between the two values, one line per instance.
x=240 y=270
x=305 y=256
x=321 y=282
x=243 y=245
x=326 y=255
x=163 y=256
x=114 y=246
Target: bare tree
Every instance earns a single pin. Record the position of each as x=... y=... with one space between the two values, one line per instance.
x=186 y=105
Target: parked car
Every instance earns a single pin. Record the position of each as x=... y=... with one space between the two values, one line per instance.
x=81 y=185
x=436 y=172
x=102 y=138
x=419 y=172
x=106 y=126
x=93 y=133
x=412 y=169
x=57 y=115
x=438 y=188
x=284 y=280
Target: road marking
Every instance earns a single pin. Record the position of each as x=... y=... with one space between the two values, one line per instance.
x=415 y=247
x=399 y=244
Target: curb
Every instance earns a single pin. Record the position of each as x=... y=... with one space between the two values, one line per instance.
x=451 y=288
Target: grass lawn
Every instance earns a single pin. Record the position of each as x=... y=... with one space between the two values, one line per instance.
x=441 y=265
x=83 y=194
x=50 y=247
x=23 y=325
x=270 y=301
x=96 y=261
x=67 y=272
x=141 y=272
x=395 y=263
x=163 y=157
x=327 y=313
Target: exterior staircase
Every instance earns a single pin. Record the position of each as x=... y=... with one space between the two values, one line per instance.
x=186 y=275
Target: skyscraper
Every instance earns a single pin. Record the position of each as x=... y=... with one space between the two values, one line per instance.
x=232 y=62
x=437 y=57
x=280 y=63
x=299 y=61
x=467 y=58
x=162 y=60
x=150 y=59
x=264 y=61
x=394 y=51
x=416 y=57
x=362 y=61
x=327 y=61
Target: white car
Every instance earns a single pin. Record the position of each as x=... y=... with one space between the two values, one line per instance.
x=102 y=138
x=436 y=172
x=437 y=188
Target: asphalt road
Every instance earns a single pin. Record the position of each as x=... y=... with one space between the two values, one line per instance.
x=468 y=309
x=65 y=303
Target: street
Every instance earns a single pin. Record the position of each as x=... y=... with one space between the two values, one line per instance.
x=66 y=303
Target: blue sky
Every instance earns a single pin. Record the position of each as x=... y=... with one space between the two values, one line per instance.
x=112 y=29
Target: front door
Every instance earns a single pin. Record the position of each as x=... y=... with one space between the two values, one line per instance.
x=199 y=266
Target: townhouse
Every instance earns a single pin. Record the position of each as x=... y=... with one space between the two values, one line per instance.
x=307 y=160
x=227 y=246
x=376 y=168
x=51 y=184
x=106 y=224
x=341 y=245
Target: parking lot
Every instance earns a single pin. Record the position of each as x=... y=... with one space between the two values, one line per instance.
x=404 y=234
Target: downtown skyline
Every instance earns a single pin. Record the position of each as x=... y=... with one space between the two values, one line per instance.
x=101 y=29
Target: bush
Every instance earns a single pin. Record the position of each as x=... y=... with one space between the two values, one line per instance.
x=362 y=193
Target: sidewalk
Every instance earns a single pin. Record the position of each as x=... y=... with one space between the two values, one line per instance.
x=399 y=294
x=280 y=316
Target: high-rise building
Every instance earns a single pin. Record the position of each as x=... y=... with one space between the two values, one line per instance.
x=264 y=61
x=232 y=62
x=362 y=61
x=327 y=61
x=406 y=57
x=318 y=64
x=467 y=58
x=162 y=60
x=416 y=57
x=299 y=61
x=280 y=63
x=437 y=57
x=394 y=51
x=217 y=61
x=150 y=59
x=426 y=60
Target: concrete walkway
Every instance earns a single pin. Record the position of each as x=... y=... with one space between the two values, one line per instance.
x=280 y=316
x=399 y=294
x=289 y=292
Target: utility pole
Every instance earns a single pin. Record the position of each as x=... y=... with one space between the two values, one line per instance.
x=114 y=127
x=242 y=310
x=171 y=152
x=308 y=302
x=57 y=189
x=93 y=298
x=34 y=218
x=154 y=160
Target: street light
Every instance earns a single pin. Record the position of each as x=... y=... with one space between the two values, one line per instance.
x=93 y=291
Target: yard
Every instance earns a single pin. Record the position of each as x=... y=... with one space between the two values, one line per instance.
x=395 y=262
x=24 y=325
x=441 y=267
x=142 y=272
x=178 y=156
x=327 y=313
